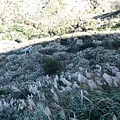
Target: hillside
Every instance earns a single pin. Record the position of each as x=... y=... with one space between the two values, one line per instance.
x=60 y=60
x=26 y=20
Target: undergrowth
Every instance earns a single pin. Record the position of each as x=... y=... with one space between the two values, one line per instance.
x=97 y=105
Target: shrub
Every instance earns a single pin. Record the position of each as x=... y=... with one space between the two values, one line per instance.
x=52 y=66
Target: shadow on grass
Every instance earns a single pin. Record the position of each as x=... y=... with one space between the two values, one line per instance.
x=73 y=46
x=106 y=15
x=116 y=26
x=85 y=41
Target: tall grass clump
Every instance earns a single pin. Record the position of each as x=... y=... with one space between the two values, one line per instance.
x=97 y=105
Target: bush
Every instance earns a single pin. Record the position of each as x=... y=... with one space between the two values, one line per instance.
x=52 y=66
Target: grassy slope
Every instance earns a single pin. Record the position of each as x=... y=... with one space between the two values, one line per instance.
x=27 y=20
x=22 y=74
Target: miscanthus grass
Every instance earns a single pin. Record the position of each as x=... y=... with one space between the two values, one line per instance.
x=103 y=104
x=62 y=98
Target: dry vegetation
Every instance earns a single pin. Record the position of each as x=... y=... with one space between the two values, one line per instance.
x=29 y=20
x=73 y=74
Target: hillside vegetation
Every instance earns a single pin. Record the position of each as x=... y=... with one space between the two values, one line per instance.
x=28 y=19
x=60 y=60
